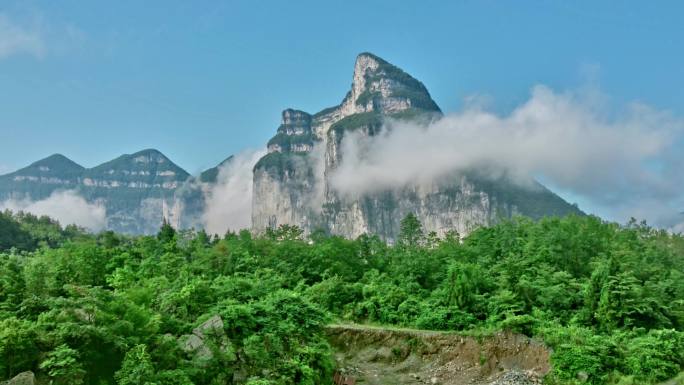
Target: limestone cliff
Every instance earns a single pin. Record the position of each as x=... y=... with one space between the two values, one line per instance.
x=292 y=182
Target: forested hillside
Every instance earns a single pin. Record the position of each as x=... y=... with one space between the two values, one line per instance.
x=188 y=308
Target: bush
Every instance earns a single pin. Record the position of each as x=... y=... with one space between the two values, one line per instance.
x=657 y=356
x=444 y=318
x=578 y=351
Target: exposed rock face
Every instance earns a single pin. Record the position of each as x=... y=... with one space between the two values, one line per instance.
x=294 y=133
x=284 y=191
x=198 y=343
x=24 y=378
x=292 y=182
x=136 y=190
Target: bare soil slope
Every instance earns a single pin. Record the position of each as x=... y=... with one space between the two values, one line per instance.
x=378 y=356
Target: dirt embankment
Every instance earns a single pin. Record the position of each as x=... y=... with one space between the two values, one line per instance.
x=379 y=356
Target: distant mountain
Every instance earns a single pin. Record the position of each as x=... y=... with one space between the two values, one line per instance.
x=53 y=165
x=287 y=181
x=210 y=175
x=137 y=190
x=41 y=178
x=146 y=168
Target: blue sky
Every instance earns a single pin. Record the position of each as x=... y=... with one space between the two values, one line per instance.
x=201 y=80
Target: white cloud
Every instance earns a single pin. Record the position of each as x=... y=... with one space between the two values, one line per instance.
x=65 y=206
x=18 y=39
x=678 y=228
x=229 y=202
x=626 y=161
x=37 y=35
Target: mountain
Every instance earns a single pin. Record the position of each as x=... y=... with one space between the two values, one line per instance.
x=292 y=182
x=40 y=178
x=137 y=190
x=146 y=168
x=210 y=175
x=53 y=165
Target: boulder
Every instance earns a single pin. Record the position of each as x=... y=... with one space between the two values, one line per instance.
x=196 y=342
x=24 y=378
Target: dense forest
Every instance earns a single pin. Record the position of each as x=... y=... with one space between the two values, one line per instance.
x=79 y=308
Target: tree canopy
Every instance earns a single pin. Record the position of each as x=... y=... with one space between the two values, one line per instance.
x=105 y=308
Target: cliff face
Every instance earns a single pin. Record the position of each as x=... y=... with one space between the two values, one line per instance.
x=292 y=183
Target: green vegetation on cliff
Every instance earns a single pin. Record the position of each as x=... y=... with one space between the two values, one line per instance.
x=369 y=120
x=210 y=175
x=286 y=142
x=278 y=163
x=109 y=309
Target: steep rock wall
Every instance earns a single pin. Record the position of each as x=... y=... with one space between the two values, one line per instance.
x=292 y=184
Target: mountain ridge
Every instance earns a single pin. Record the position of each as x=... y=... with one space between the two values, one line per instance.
x=291 y=183
x=138 y=190
x=60 y=158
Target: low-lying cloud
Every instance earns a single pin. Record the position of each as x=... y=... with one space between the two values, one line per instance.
x=629 y=161
x=228 y=203
x=66 y=206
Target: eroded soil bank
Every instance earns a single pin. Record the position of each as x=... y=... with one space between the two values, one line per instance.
x=380 y=356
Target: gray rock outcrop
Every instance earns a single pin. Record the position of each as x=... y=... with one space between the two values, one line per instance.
x=198 y=343
x=292 y=183
x=24 y=378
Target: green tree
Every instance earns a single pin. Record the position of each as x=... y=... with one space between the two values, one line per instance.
x=63 y=366
x=12 y=284
x=411 y=231
x=18 y=348
x=655 y=357
x=12 y=234
x=137 y=368
x=166 y=233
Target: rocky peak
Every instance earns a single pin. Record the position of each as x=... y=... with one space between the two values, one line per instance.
x=296 y=118
x=378 y=89
x=366 y=64
x=293 y=189
x=379 y=86
x=149 y=155
x=294 y=133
